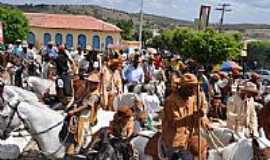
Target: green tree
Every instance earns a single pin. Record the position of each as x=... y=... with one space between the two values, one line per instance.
x=207 y=47
x=15 y=24
x=127 y=29
x=259 y=51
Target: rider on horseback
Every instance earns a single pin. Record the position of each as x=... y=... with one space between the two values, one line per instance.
x=113 y=142
x=87 y=99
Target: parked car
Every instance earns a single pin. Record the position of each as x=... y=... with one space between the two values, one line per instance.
x=265 y=75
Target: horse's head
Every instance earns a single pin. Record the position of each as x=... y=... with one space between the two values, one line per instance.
x=9 y=119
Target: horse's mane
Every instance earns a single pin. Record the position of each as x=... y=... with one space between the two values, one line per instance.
x=42 y=108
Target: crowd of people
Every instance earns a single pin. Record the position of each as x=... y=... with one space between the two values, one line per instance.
x=141 y=88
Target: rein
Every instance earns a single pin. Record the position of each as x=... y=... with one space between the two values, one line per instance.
x=41 y=132
x=14 y=110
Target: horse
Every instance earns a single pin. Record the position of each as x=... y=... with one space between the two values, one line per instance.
x=43 y=124
x=14 y=91
x=40 y=85
x=13 y=146
x=242 y=148
x=245 y=148
x=223 y=134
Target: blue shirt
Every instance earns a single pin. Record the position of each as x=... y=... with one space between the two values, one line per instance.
x=18 y=51
x=132 y=74
x=51 y=53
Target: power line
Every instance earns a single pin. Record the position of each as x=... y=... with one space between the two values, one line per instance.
x=223 y=8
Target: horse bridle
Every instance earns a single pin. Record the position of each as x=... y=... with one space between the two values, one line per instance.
x=14 y=110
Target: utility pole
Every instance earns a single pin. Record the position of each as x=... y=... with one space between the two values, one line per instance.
x=223 y=8
x=141 y=25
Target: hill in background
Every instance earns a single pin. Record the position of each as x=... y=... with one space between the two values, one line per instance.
x=106 y=14
x=257 y=31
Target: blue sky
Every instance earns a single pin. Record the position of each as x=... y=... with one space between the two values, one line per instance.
x=243 y=11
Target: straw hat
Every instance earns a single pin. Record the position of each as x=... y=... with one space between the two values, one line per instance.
x=93 y=78
x=189 y=79
x=250 y=87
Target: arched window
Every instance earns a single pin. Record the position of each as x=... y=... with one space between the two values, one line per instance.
x=47 y=38
x=109 y=40
x=31 y=38
x=82 y=40
x=96 y=42
x=58 y=39
x=69 y=40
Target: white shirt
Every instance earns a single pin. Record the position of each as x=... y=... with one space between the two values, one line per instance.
x=241 y=115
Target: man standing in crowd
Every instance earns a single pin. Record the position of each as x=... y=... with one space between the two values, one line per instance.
x=48 y=54
x=241 y=114
x=134 y=73
x=17 y=50
x=63 y=82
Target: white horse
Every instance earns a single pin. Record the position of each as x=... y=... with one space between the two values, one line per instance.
x=42 y=123
x=14 y=91
x=242 y=149
x=236 y=150
x=40 y=85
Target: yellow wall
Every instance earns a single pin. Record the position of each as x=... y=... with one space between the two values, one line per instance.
x=39 y=35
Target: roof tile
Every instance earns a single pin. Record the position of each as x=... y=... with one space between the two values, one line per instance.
x=67 y=21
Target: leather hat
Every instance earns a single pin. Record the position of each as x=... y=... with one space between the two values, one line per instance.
x=189 y=79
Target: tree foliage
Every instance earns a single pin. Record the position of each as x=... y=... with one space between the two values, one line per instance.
x=259 y=51
x=207 y=47
x=128 y=29
x=15 y=24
